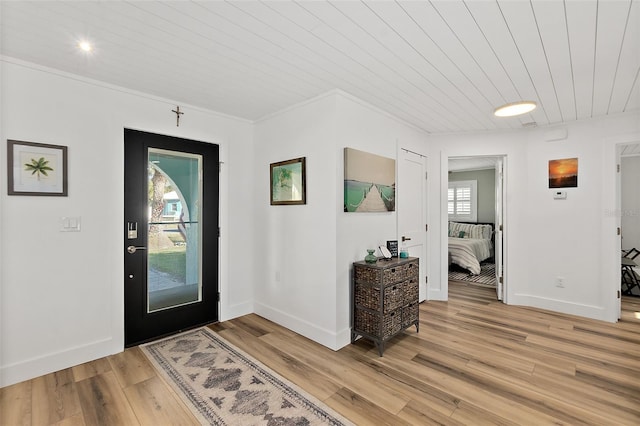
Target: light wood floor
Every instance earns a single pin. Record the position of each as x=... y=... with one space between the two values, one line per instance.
x=475 y=361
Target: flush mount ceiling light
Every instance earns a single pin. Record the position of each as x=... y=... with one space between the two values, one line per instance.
x=85 y=46
x=514 y=108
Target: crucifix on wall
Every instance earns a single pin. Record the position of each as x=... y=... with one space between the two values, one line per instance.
x=178 y=114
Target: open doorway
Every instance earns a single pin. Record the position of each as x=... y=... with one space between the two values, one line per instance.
x=475 y=208
x=629 y=201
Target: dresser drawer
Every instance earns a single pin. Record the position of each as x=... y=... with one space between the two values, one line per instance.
x=411 y=290
x=399 y=273
x=381 y=326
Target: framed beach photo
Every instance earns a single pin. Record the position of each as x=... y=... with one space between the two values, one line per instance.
x=288 y=182
x=369 y=182
x=36 y=169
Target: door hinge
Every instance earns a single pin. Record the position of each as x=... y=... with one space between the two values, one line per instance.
x=220 y=163
x=218 y=297
x=426 y=279
x=218 y=231
x=618 y=294
x=426 y=228
x=500 y=280
x=618 y=168
x=618 y=230
x=500 y=228
x=426 y=175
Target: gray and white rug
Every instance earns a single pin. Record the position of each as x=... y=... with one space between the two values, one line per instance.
x=486 y=278
x=222 y=385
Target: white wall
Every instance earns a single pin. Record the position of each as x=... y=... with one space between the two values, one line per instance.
x=62 y=292
x=294 y=269
x=365 y=128
x=630 y=202
x=547 y=238
x=304 y=253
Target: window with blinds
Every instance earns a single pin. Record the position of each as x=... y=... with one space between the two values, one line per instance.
x=462 y=201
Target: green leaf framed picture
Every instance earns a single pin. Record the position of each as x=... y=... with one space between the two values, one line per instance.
x=36 y=169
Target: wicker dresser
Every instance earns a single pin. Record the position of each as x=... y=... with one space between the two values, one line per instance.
x=385 y=299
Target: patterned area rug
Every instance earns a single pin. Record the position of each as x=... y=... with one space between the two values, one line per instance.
x=487 y=277
x=224 y=386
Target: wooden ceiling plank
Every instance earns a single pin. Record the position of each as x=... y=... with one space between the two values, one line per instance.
x=524 y=32
x=581 y=26
x=550 y=17
x=383 y=43
x=612 y=16
x=430 y=56
x=628 y=66
x=492 y=25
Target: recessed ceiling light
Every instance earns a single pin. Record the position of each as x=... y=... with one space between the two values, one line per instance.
x=514 y=108
x=85 y=46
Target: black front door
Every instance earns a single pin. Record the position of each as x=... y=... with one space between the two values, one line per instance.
x=170 y=235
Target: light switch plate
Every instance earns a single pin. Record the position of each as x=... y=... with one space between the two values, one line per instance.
x=70 y=224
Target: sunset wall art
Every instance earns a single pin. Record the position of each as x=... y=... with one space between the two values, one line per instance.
x=563 y=173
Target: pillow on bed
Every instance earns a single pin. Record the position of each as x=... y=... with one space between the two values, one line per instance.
x=470 y=230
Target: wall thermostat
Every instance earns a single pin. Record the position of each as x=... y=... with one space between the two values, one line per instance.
x=560 y=195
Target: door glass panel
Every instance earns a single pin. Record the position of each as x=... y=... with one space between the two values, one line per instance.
x=174 y=229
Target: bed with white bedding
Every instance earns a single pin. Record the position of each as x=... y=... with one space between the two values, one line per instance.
x=470 y=244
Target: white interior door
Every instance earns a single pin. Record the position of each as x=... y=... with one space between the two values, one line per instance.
x=619 y=149
x=411 y=208
x=499 y=229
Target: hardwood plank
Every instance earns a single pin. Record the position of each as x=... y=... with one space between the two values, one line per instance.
x=15 y=404
x=131 y=367
x=362 y=411
x=475 y=361
x=77 y=420
x=288 y=366
x=90 y=369
x=417 y=413
x=54 y=398
x=154 y=405
x=103 y=401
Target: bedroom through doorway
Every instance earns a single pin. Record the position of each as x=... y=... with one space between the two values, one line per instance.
x=475 y=232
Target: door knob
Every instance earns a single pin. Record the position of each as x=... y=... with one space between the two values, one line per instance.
x=405 y=238
x=133 y=249
x=131 y=276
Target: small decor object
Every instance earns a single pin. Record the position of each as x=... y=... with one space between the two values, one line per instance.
x=178 y=114
x=36 y=169
x=563 y=173
x=369 y=182
x=392 y=246
x=288 y=182
x=371 y=257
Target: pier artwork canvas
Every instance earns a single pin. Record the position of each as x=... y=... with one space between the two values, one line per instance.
x=563 y=173
x=369 y=182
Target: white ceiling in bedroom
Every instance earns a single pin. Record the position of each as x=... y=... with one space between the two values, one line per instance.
x=440 y=65
x=630 y=150
x=458 y=164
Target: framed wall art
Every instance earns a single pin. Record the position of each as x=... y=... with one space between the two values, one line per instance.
x=369 y=182
x=563 y=173
x=288 y=182
x=36 y=169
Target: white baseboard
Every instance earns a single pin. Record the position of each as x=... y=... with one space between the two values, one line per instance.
x=235 y=311
x=561 y=306
x=35 y=367
x=317 y=334
x=436 y=294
